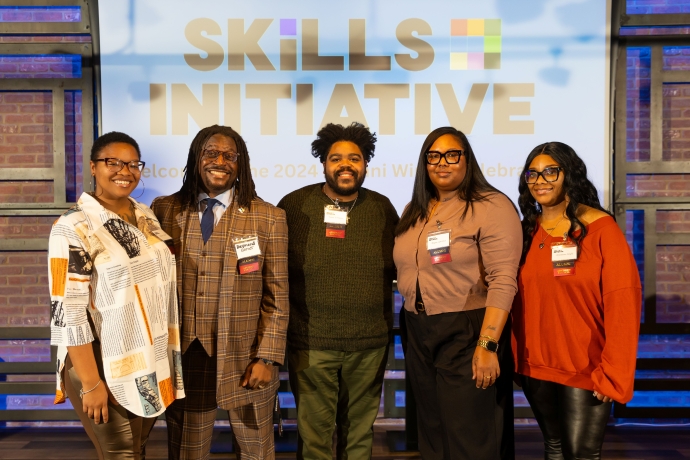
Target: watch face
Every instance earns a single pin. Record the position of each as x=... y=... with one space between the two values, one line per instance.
x=492 y=346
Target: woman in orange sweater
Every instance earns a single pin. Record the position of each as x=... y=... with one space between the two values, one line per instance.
x=576 y=317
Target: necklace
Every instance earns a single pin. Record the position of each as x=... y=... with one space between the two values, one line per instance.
x=336 y=202
x=541 y=245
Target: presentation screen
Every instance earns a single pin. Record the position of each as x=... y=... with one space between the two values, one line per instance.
x=509 y=74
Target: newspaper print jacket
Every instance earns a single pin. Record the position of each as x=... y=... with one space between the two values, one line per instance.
x=117 y=281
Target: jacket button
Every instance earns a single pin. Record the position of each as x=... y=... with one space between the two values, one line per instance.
x=201 y=294
x=203 y=254
x=202 y=274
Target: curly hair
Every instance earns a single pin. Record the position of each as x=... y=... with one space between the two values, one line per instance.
x=474 y=187
x=356 y=133
x=245 y=191
x=576 y=186
x=113 y=137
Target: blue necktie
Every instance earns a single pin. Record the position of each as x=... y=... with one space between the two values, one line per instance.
x=207 y=219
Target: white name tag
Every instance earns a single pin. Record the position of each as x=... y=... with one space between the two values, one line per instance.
x=438 y=240
x=563 y=252
x=334 y=216
x=247 y=247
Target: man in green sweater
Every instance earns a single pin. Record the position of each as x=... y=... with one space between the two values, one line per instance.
x=341 y=270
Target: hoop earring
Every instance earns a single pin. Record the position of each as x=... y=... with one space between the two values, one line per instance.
x=142 y=190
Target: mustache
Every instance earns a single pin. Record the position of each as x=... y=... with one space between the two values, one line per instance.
x=348 y=169
x=217 y=168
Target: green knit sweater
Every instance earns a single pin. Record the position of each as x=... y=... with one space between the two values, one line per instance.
x=340 y=289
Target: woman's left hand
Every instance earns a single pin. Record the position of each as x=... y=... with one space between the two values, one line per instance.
x=485 y=368
x=601 y=397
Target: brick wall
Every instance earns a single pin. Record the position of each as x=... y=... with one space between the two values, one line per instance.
x=59 y=66
x=26 y=141
x=39 y=14
x=673 y=262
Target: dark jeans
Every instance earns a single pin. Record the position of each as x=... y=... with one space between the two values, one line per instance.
x=457 y=420
x=571 y=419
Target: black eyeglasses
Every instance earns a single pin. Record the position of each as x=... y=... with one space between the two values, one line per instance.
x=212 y=155
x=451 y=156
x=549 y=174
x=116 y=165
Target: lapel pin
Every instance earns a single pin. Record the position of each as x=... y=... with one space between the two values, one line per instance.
x=241 y=210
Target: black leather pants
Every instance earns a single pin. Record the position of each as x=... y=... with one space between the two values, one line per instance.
x=571 y=419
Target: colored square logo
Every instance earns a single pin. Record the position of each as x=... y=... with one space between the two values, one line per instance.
x=288 y=27
x=475 y=44
x=458 y=61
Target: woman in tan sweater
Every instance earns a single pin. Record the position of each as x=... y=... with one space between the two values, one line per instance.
x=457 y=251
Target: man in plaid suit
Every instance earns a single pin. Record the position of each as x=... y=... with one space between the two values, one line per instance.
x=232 y=280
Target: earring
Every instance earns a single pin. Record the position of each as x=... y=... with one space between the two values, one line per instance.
x=142 y=190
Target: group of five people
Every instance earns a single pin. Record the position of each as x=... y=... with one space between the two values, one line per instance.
x=191 y=305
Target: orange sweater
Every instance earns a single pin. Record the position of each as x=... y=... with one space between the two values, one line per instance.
x=580 y=330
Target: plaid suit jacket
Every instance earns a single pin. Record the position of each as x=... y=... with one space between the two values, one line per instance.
x=253 y=308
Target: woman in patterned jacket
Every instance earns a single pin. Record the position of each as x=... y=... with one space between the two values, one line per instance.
x=114 y=313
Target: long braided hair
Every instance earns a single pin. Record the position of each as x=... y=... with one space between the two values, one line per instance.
x=245 y=191
x=576 y=186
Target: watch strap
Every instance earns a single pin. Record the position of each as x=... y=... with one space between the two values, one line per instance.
x=488 y=345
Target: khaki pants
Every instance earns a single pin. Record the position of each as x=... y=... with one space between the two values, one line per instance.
x=125 y=434
x=336 y=388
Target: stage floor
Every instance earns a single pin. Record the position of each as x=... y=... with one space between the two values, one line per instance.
x=71 y=443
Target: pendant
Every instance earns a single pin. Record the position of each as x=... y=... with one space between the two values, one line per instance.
x=541 y=245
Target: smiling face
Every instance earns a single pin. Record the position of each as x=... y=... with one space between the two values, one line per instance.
x=218 y=175
x=447 y=178
x=344 y=170
x=547 y=193
x=116 y=185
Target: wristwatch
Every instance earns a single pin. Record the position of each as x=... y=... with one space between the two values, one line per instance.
x=267 y=362
x=488 y=345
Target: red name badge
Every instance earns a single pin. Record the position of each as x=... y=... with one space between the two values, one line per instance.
x=248 y=265
x=440 y=255
x=335 y=231
x=563 y=257
x=248 y=252
x=438 y=245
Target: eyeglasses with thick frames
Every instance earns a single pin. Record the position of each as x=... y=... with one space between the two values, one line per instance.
x=451 y=156
x=116 y=165
x=549 y=174
x=212 y=155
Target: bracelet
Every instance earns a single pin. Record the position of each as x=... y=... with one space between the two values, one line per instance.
x=488 y=338
x=82 y=392
x=488 y=345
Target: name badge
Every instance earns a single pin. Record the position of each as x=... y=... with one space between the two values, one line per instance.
x=563 y=257
x=336 y=221
x=438 y=245
x=248 y=252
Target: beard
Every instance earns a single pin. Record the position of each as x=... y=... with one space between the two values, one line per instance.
x=332 y=181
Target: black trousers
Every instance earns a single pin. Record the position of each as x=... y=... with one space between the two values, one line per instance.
x=457 y=420
x=572 y=420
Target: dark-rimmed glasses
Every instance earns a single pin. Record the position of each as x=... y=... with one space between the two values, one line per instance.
x=116 y=165
x=451 y=156
x=212 y=155
x=549 y=174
